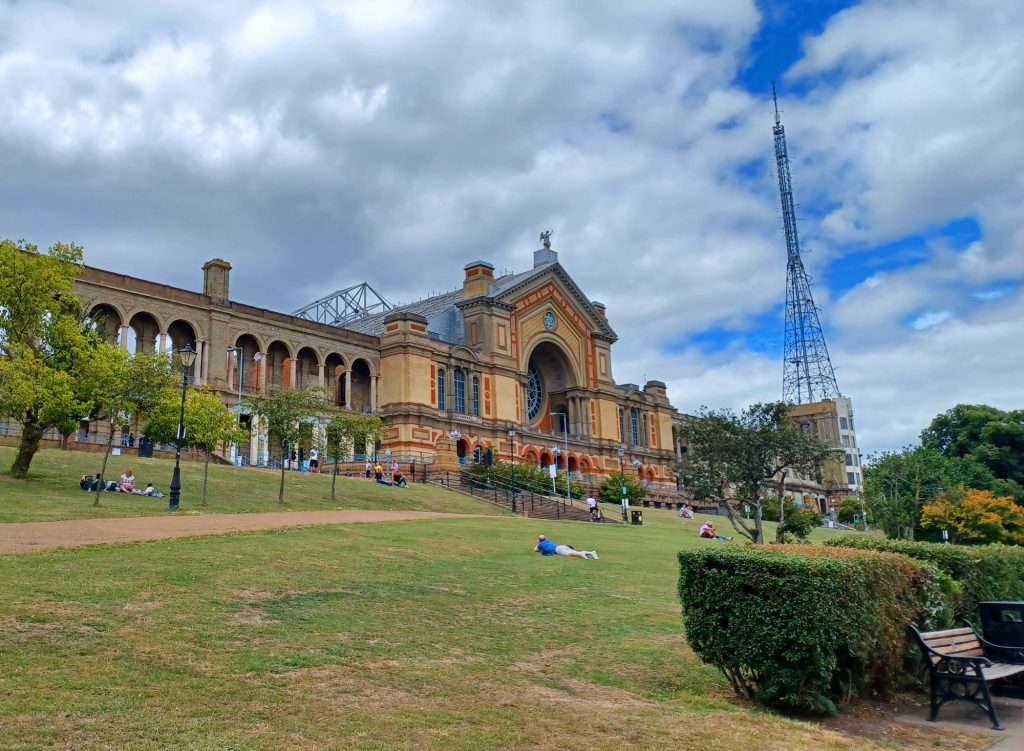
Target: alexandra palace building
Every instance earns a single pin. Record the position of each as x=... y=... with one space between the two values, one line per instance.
x=448 y=375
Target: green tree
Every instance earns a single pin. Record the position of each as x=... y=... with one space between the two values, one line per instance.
x=898 y=483
x=347 y=429
x=132 y=387
x=208 y=424
x=284 y=411
x=611 y=489
x=738 y=458
x=54 y=366
x=992 y=437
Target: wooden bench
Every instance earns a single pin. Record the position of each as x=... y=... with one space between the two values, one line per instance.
x=961 y=664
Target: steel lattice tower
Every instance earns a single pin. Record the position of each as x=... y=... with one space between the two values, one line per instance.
x=807 y=374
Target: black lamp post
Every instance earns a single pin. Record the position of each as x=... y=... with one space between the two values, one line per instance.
x=187 y=358
x=512 y=451
x=621 y=451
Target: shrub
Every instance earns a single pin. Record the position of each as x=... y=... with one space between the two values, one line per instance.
x=611 y=488
x=526 y=477
x=800 y=520
x=984 y=572
x=806 y=626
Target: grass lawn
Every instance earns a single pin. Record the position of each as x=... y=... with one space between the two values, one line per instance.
x=445 y=634
x=51 y=490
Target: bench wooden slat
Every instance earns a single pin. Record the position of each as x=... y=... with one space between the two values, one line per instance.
x=953 y=642
x=1001 y=670
x=948 y=632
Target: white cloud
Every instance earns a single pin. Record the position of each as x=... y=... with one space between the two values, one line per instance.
x=356 y=139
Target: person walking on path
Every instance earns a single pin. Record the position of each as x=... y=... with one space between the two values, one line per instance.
x=591 y=503
x=546 y=547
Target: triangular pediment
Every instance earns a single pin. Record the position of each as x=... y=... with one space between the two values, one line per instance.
x=520 y=286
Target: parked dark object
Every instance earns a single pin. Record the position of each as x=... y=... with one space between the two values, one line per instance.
x=1003 y=622
x=961 y=665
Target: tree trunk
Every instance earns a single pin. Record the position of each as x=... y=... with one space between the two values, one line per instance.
x=280 y=492
x=758 y=525
x=103 y=466
x=334 y=479
x=206 y=474
x=28 y=445
x=779 y=534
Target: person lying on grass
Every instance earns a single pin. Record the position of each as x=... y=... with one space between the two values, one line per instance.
x=546 y=547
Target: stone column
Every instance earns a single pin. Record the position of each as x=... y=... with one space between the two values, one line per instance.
x=123 y=344
x=254 y=442
x=293 y=373
x=373 y=392
x=348 y=389
x=320 y=376
x=199 y=372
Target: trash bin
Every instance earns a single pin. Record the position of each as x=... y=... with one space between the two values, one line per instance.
x=145 y=447
x=1003 y=623
x=636 y=516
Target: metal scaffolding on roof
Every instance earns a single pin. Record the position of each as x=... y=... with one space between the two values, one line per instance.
x=345 y=305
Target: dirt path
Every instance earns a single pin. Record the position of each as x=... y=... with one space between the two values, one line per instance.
x=26 y=537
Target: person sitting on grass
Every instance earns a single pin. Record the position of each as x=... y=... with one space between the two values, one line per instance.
x=685 y=511
x=546 y=547
x=86 y=482
x=127 y=484
x=708 y=531
x=398 y=479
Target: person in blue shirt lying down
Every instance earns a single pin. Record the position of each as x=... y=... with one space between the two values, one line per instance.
x=546 y=547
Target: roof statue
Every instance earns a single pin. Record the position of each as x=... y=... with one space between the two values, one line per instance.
x=545 y=239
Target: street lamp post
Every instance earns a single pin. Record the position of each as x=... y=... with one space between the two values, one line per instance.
x=187 y=358
x=556 y=451
x=565 y=437
x=512 y=453
x=621 y=451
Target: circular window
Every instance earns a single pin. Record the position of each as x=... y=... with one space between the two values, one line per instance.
x=534 y=392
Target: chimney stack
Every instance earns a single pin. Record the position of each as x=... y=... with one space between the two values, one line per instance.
x=479 y=277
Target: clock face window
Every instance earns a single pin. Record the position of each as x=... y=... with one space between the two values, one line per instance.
x=549 y=321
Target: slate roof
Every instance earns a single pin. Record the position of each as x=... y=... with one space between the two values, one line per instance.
x=429 y=308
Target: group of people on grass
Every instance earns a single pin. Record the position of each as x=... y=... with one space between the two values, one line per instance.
x=126 y=484
x=376 y=471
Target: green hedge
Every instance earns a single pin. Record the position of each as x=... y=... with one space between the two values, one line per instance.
x=984 y=572
x=806 y=626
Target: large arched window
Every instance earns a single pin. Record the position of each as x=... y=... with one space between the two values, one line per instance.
x=476 y=396
x=440 y=389
x=460 y=391
x=534 y=392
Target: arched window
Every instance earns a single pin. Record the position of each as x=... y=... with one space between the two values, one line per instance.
x=634 y=426
x=460 y=391
x=476 y=396
x=440 y=389
x=534 y=392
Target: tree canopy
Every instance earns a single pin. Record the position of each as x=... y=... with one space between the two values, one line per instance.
x=737 y=458
x=975 y=516
x=55 y=367
x=991 y=437
x=284 y=412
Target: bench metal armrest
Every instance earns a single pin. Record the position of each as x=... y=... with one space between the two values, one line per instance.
x=998 y=652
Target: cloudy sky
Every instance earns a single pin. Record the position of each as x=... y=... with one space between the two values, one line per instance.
x=318 y=144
